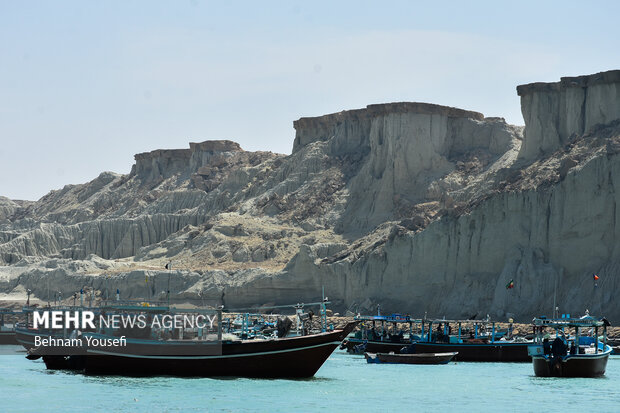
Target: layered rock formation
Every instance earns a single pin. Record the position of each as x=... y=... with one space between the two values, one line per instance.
x=405 y=147
x=556 y=112
x=420 y=208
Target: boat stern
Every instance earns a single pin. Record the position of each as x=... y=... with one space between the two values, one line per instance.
x=535 y=350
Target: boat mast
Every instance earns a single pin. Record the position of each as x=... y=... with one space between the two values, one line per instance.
x=555 y=290
x=169 y=267
x=323 y=309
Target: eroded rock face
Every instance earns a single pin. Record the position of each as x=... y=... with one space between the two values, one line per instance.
x=406 y=146
x=555 y=112
x=12 y=209
x=114 y=216
x=419 y=208
x=546 y=240
x=161 y=163
x=351 y=128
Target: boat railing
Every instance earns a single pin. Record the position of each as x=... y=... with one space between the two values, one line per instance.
x=434 y=330
x=584 y=338
x=567 y=322
x=394 y=318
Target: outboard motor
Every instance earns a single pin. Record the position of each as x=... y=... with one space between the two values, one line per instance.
x=410 y=349
x=359 y=349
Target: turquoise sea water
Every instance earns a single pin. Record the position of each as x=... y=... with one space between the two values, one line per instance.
x=345 y=383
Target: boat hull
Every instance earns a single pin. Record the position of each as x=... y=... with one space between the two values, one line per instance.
x=491 y=352
x=54 y=362
x=352 y=345
x=26 y=337
x=422 y=358
x=295 y=357
x=571 y=366
x=8 y=337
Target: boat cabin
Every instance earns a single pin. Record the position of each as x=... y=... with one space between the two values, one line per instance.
x=585 y=335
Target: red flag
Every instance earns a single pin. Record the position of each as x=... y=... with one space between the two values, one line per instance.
x=595 y=277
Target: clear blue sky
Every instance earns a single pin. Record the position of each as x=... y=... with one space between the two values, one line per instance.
x=84 y=85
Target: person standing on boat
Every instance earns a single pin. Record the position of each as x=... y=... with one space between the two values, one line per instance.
x=558 y=348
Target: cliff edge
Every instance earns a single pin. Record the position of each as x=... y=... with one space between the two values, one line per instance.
x=555 y=113
x=416 y=207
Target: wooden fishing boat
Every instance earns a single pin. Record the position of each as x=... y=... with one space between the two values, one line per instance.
x=422 y=358
x=289 y=357
x=196 y=351
x=482 y=342
x=381 y=334
x=577 y=355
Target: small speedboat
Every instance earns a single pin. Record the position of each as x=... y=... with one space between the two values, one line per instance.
x=420 y=358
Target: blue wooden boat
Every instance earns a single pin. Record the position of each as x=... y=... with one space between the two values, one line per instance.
x=381 y=334
x=576 y=351
x=482 y=341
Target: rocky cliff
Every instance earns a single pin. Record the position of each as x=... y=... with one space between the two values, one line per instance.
x=555 y=113
x=418 y=207
x=409 y=153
